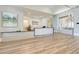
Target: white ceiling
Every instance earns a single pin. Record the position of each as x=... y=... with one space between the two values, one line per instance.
x=51 y=9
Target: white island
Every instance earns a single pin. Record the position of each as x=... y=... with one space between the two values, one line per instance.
x=43 y=31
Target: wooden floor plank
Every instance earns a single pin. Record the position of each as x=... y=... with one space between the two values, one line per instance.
x=57 y=44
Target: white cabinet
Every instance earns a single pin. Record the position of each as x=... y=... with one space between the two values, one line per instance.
x=43 y=31
x=17 y=35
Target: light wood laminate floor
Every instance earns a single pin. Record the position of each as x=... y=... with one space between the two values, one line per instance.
x=59 y=44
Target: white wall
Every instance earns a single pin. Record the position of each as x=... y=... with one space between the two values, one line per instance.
x=76 y=19
x=56 y=24
x=42 y=22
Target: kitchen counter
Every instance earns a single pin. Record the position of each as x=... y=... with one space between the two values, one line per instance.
x=19 y=35
x=14 y=35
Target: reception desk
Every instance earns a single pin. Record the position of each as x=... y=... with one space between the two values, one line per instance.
x=43 y=31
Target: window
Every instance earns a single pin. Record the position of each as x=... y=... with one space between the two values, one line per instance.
x=66 y=21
